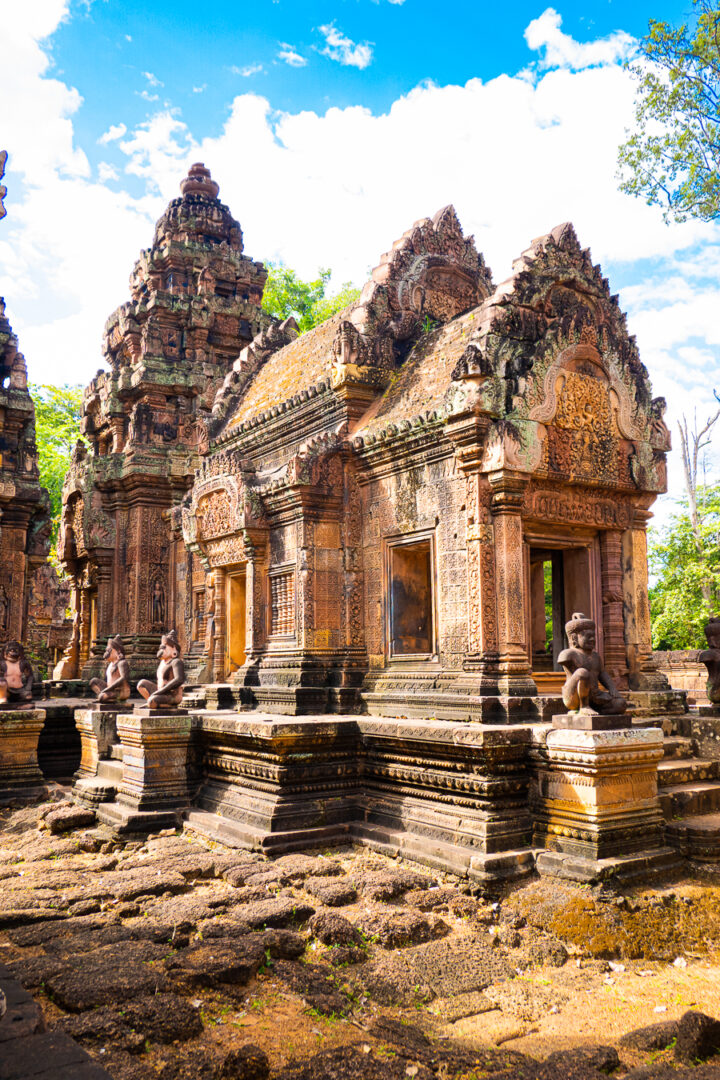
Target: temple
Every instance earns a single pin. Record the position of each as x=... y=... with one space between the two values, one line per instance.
x=195 y=301
x=32 y=601
x=394 y=513
x=402 y=557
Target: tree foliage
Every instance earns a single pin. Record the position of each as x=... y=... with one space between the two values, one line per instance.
x=672 y=159
x=686 y=563
x=57 y=428
x=307 y=301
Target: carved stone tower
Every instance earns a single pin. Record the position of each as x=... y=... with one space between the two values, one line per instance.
x=195 y=303
x=24 y=505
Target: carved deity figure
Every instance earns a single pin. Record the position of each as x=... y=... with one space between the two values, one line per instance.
x=16 y=675
x=158 y=604
x=116 y=684
x=588 y=687
x=167 y=692
x=710 y=657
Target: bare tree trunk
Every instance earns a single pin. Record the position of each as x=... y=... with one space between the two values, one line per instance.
x=692 y=442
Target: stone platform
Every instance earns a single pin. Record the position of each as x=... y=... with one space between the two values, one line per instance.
x=20 y=775
x=449 y=795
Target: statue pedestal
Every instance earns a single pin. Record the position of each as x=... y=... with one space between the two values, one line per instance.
x=154 y=788
x=98 y=732
x=20 y=775
x=591 y=721
x=595 y=801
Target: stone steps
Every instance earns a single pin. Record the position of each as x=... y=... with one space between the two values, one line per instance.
x=674 y=771
x=111 y=771
x=679 y=746
x=696 y=836
x=690 y=800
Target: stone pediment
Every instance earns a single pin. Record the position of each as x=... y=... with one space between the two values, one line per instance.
x=219 y=506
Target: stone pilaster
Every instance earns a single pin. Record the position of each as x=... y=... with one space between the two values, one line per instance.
x=514 y=671
x=611 y=571
x=642 y=668
x=218 y=663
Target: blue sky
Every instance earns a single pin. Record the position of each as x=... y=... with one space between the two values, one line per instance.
x=205 y=54
x=331 y=127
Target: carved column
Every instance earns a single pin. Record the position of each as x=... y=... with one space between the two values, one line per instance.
x=218 y=662
x=482 y=605
x=515 y=676
x=84 y=625
x=643 y=674
x=255 y=546
x=305 y=602
x=611 y=575
x=104 y=601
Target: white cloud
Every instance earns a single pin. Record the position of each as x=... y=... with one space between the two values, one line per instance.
x=106 y=172
x=199 y=89
x=147 y=96
x=290 y=56
x=561 y=50
x=342 y=49
x=249 y=69
x=516 y=155
x=115 y=131
x=152 y=79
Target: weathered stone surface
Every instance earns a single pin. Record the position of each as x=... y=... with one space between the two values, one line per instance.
x=162 y=1018
x=653 y=1037
x=50 y=1056
x=698 y=1037
x=218 y=962
x=317 y=986
x=395 y=929
x=351 y=1063
x=112 y=973
x=68 y=818
x=387 y=884
x=333 y=929
x=275 y=912
x=297 y=867
x=437 y=969
x=246 y=1063
x=332 y=894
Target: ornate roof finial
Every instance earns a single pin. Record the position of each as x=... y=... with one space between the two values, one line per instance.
x=199 y=182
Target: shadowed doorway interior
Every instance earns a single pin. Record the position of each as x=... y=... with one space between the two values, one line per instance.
x=235 y=634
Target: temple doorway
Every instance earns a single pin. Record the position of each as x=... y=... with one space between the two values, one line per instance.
x=235 y=609
x=563 y=578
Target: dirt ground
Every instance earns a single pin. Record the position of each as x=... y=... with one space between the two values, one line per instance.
x=178 y=959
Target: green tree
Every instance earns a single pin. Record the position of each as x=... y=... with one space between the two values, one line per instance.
x=672 y=158
x=57 y=426
x=685 y=559
x=307 y=301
